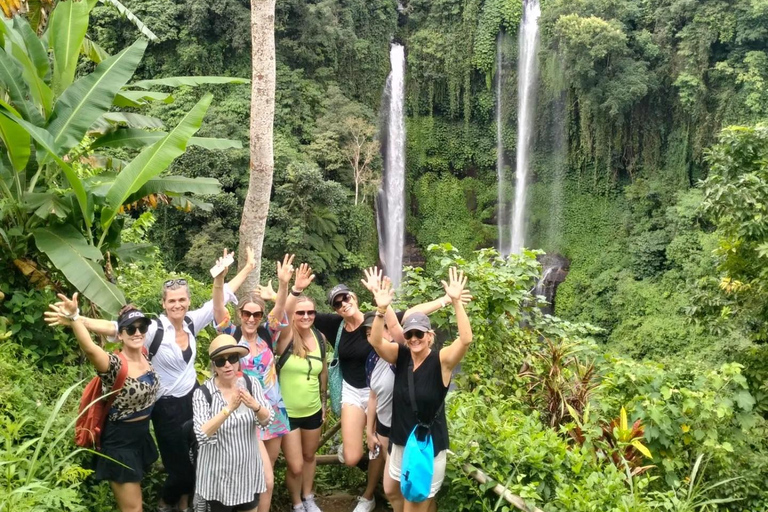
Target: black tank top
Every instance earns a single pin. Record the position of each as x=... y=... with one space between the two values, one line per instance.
x=430 y=395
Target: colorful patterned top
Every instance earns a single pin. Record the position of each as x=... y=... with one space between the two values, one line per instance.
x=260 y=363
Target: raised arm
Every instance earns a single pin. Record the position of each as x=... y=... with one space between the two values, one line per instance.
x=430 y=307
x=382 y=295
x=451 y=355
x=284 y=274
x=68 y=308
x=220 y=313
x=93 y=352
x=373 y=277
x=239 y=279
x=303 y=278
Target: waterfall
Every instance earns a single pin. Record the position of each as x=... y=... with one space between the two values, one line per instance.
x=391 y=199
x=503 y=214
x=526 y=97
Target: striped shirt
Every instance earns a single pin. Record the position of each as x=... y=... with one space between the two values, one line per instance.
x=230 y=469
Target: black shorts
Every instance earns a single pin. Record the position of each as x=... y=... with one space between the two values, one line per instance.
x=131 y=445
x=382 y=429
x=217 y=506
x=308 y=422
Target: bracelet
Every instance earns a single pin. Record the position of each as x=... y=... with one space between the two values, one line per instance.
x=442 y=302
x=296 y=293
x=74 y=315
x=225 y=411
x=379 y=314
x=257 y=410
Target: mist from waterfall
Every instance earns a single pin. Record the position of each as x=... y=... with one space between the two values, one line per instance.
x=391 y=197
x=526 y=99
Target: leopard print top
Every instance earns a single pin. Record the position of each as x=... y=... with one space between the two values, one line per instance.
x=137 y=396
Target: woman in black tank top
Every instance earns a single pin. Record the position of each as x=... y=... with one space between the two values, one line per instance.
x=431 y=371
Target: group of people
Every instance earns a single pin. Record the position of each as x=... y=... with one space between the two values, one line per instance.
x=268 y=390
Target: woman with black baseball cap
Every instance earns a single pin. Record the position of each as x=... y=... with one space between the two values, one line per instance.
x=125 y=437
x=424 y=373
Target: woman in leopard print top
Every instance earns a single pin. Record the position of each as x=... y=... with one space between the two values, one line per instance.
x=125 y=437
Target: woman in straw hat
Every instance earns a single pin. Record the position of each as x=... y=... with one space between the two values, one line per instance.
x=230 y=470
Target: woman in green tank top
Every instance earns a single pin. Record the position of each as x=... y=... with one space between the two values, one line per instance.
x=303 y=382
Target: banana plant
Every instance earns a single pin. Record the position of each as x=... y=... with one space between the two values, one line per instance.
x=56 y=188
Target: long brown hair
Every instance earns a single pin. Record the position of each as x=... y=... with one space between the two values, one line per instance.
x=299 y=347
x=253 y=297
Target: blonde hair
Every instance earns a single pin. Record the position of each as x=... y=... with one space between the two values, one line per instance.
x=299 y=347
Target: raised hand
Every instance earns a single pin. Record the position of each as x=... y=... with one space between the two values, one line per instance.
x=373 y=276
x=285 y=269
x=382 y=292
x=250 y=260
x=466 y=297
x=61 y=312
x=456 y=283
x=304 y=277
x=220 y=261
x=267 y=293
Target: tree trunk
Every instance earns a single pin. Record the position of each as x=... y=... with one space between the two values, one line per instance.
x=256 y=208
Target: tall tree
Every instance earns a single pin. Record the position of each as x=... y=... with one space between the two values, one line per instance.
x=256 y=208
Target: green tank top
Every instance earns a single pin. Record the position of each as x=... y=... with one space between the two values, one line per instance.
x=300 y=384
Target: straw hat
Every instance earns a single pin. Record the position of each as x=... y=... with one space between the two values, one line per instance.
x=226 y=344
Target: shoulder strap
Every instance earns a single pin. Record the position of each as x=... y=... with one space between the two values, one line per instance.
x=338 y=339
x=157 y=340
x=284 y=356
x=206 y=394
x=263 y=332
x=190 y=324
x=122 y=374
x=411 y=392
x=320 y=337
x=238 y=334
x=248 y=384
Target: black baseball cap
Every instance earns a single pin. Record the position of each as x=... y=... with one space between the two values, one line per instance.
x=337 y=290
x=131 y=317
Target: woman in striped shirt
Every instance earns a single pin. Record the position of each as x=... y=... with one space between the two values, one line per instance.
x=230 y=473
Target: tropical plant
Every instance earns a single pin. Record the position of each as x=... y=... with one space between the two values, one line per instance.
x=65 y=196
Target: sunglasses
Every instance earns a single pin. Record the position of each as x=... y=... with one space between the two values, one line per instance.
x=306 y=313
x=338 y=303
x=414 y=334
x=221 y=361
x=131 y=329
x=257 y=315
x=175 y=282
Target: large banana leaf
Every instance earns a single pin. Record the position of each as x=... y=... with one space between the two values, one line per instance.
x=110 y=121
x=35 y=48
x=15 y=138
x=91 y=96
x=137 y=99
x=69 y=23
x=189 y=81
x=135 y=138
x=12 y=81
x=175 y=185
x=76 y=259
x=93 y=51
x=45 y=141
x=152 y=161
x=39 y=90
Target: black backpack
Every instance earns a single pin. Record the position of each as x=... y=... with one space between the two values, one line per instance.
x=188 y=428
x=262 y=331
x=289 y=350
x=159 y=333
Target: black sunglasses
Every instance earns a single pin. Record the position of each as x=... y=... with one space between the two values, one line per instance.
x=258 y=315
x=221 y=361
x=338 y=303
x=131 y=329
x=173 y=282
x=413 y=334
x=310 y=312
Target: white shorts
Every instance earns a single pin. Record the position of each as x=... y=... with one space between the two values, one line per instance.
x=396 y=463
x=351 y=395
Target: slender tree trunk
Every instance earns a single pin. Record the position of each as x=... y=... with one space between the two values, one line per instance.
x=256 y=206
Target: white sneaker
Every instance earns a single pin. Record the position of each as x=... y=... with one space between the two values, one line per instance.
x=298 y=508
x=310 y=505
x=364 y=505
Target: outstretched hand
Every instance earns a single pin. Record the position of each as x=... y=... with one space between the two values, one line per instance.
x=61 y=312
x=304 y=277
x=285 y=269
x=220 y=261
x=267 y=293
x=250 y=261
x=373 y=277
x=383 y=293
x=457 y=281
